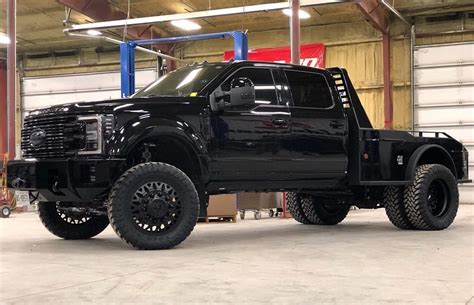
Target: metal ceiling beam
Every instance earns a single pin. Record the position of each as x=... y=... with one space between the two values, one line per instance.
x=375 y=13
x=394 y=11
x=192 y=15
x=102 y=10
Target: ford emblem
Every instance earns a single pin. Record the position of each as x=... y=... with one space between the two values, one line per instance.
x=37 y=137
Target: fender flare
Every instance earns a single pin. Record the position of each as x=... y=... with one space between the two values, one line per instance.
x=419 y=152
x=191 y=141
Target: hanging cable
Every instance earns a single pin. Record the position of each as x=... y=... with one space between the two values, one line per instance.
x=128 y=17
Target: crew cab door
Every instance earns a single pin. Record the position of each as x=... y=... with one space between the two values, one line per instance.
x=318 y=127
x=252 y=141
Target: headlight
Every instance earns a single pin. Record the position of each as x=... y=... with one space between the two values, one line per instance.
x=93 y=141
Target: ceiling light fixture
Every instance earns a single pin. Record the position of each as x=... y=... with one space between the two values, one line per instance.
x=94 y=33
x=186 y=25
x=4 y=39
x=303 y=14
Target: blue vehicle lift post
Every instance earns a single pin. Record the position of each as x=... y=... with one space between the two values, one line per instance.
x=127 y=53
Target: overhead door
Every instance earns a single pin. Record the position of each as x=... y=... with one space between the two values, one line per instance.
x=444 y=96
x=39 y=92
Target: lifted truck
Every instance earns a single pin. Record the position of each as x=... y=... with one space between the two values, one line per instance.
x=147 y=164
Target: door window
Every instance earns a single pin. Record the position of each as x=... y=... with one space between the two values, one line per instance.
x=309 y=89
x=265 y=90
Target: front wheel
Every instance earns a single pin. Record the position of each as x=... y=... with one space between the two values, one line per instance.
x=64 y=221
x=153 y=206
x=432 y=200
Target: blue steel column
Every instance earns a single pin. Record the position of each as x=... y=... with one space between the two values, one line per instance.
x=127 y=53
x=240 y=45
x=127 y=69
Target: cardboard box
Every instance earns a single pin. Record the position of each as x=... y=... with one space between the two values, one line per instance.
x=258 y=201
x=222 y=205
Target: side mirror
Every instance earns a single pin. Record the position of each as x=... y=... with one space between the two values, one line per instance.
x=242 y=92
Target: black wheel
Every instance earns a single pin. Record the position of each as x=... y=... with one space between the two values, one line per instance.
x=62 y=223
x=320 y=211
x=394 y=207
x=271 y=213
x=432 y=200
x=257 y=215
x=242 y=214
x=153 y=206
x=294 y=205
x=6 y=211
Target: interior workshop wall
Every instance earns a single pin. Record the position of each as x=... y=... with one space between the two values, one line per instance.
x=356 y=46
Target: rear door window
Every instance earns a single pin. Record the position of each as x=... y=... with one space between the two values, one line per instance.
x=310 y=90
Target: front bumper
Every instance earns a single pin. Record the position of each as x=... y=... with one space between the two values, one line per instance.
x=76 y=180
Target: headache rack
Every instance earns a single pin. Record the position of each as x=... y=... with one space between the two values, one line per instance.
x=349 y=98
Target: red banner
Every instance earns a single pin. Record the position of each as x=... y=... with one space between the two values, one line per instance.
x=312 y=55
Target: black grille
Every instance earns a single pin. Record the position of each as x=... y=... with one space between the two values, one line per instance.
x=62 y=135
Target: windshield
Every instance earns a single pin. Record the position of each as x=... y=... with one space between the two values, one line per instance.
x=182 y=82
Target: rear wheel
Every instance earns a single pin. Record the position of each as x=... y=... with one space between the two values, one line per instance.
x=321 y=211
x=432 y=200
x=66 y=223
x=394 y=207
x=153 y=206
x=294 y=205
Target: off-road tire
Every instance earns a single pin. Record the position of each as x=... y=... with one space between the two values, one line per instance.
x=294 y=205
x=395 y=208
x=320 y=212
x=52 y=220
x=431 y=178
x=120 y=199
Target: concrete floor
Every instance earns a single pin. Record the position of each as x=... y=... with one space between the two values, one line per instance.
x=365 y=260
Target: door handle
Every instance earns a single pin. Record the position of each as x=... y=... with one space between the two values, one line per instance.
x=279 y=122
x=336 y=124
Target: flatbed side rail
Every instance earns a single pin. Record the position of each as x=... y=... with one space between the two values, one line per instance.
x=437 y=134
x=416 y=133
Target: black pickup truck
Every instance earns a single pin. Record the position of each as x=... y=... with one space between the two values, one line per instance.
x=147 y=164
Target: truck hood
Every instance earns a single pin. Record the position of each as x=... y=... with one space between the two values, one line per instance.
x=121 y=105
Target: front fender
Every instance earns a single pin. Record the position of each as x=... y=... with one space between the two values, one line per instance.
x=124 y=140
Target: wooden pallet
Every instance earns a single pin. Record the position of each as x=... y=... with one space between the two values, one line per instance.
x=218 y=218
